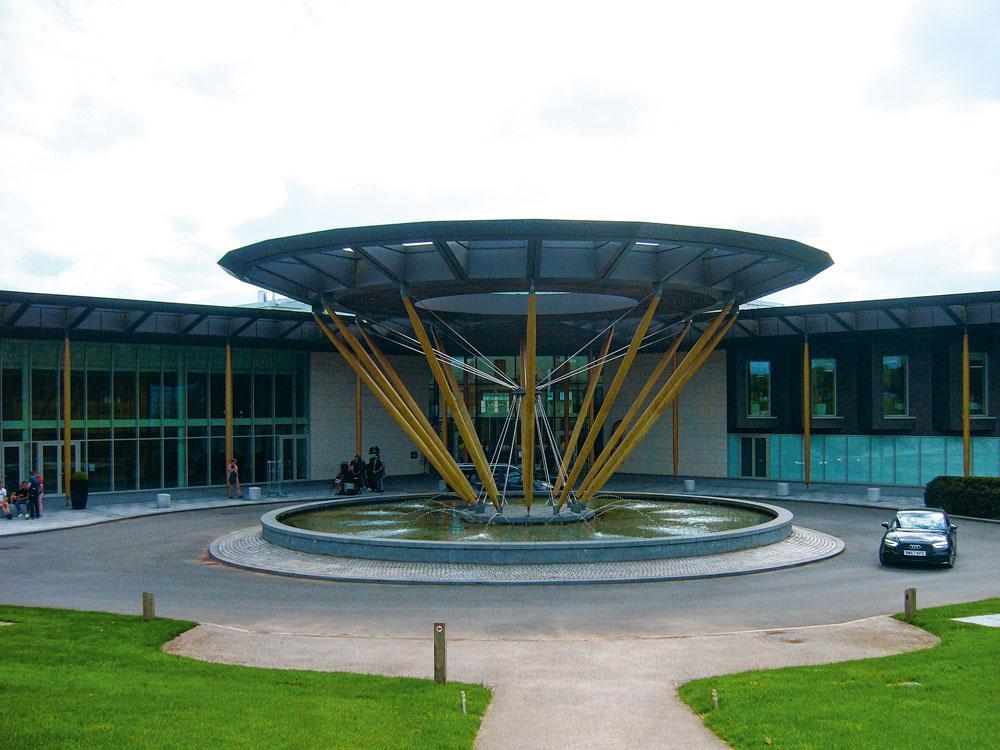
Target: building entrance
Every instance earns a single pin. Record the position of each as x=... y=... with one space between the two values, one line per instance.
x=13 y=466
x=753 y=457
x=287 y=456
x=49 y=461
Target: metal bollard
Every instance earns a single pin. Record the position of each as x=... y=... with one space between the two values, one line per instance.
x=440 y=656
x=148 y=606
x=910 y=603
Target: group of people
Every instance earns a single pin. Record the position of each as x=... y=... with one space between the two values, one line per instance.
x=356 y=476
x=26 y=499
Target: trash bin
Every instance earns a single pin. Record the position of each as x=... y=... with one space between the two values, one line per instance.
x=163 y=500
x=783 y=489
x=689 y=485
x=253 y=493
x=874 y=494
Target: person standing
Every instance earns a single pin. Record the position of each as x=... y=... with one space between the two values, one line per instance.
x=35 y=495
x=378 y=473
x=358 y=473
x=233 y=479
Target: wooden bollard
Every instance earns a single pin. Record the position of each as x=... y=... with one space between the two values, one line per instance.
x=910 y=603
x=440 y=655
x=148 y=606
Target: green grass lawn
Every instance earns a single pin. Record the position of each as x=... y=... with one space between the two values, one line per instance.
x=91 y=679
x=864 y=704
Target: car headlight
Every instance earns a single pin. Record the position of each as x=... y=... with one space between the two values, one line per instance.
x=940 y=545
x=890 y=542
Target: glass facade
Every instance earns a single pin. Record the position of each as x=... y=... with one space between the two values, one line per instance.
x=895 y=386
x=489 y=402
x=759 y=389
x=146 y=417
x=977 y=384
x=907 y=460
x=823 y=384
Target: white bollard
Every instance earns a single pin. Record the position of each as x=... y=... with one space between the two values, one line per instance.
x=874 y=494
x=163 y=500
x=689 y=485
x=253 y=493
x=783 y=489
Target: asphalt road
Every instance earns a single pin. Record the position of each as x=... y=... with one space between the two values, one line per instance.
x=106 y=567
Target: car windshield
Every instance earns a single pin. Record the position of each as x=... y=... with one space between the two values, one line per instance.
x=922 y=520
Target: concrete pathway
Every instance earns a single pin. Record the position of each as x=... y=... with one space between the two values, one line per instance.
x=106 y=507
x=568 y=692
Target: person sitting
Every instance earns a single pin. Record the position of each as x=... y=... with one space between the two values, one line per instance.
x=4 y=504
x=357 y=472
x=21 y=500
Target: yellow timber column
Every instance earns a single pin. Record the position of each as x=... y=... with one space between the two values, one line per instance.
x=413 y=424
x=806 y=412
x=609 y=397
x=463 y=412
x=590 y=409
x=637 y=403
x=966 y=412
x=357 y=414
x=676 y=426
x=585 y=411
x=470 y=437
x=528 y=406
x=389 y=388
x=67 y=419
x=703 y=347
x=443 y=410
x=229 y=407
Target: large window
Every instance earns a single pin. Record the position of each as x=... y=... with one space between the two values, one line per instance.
x=149 y=416
x=759 y=389
x=977 y=384
x=823 y=384
x=895 y=386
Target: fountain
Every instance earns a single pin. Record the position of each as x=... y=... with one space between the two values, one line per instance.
x=637 y=526
x=503 y=287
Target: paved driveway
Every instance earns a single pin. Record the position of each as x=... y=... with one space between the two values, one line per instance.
x=108 y=566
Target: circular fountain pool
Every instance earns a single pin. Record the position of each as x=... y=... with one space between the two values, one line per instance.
x=433 y=529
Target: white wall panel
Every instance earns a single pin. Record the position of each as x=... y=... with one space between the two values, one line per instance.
x=702 y=409
x=331 y=416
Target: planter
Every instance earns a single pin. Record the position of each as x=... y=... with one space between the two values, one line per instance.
x=78 y=491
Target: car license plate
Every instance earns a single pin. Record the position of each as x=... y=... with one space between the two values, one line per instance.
x=915 y=552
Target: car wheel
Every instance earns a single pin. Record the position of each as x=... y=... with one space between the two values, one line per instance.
x=951 y=560
x=881 y=558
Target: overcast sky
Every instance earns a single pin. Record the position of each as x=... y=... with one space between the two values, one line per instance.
x=141 y=141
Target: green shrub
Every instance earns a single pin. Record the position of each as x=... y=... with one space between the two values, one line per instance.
x=976 y=496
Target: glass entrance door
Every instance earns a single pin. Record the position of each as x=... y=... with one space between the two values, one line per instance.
x=287 y=458
x=753 y=457
x=49 y=462
x=13 y=466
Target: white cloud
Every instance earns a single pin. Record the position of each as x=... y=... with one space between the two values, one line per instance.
x=141 y=141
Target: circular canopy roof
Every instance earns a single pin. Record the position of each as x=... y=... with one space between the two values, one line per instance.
x=584 y=271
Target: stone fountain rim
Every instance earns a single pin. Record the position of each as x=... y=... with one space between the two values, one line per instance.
x=774 y=530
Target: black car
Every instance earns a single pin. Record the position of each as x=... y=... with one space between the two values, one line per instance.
x=923 y=536
x=502 y=473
